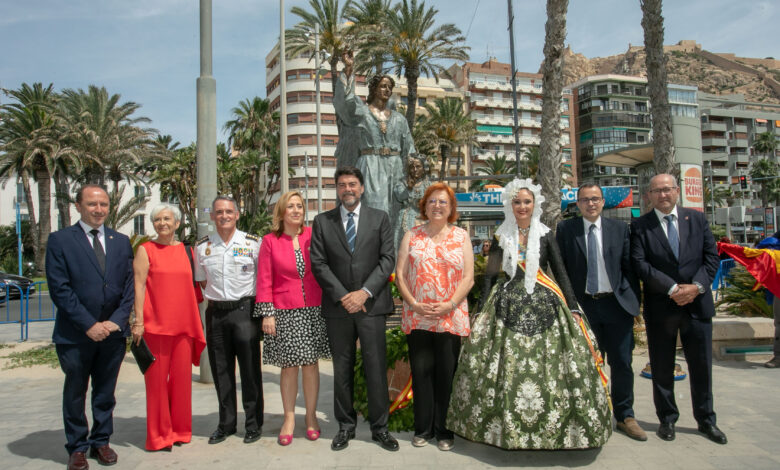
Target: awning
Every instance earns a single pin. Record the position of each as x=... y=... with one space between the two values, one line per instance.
x=629 y=157
x=503 y=130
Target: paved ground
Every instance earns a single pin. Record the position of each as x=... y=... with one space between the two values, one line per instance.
x=31 y=435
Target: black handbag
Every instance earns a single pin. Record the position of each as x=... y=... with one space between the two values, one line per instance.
x=142 y=354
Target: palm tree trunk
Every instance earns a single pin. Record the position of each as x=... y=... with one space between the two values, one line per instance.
x=43 y=177
x=549 y=173
x=34 y=234
x=62 y=190
x=411 y=107
x=655 y=62
x=443 y=170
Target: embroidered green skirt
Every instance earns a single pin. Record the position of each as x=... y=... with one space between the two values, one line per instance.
x=526 y=378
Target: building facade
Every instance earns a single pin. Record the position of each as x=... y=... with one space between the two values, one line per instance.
x=488 y=89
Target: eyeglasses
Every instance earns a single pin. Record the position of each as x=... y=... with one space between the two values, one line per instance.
x=666 y=190
x=438 y=202
x=590 y=200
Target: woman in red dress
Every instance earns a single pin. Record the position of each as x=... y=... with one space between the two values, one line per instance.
x=166 y=315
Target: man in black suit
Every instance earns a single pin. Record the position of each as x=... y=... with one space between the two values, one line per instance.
x=89 y=269
x=352 y=258
x=596 y=251
x=674 y=254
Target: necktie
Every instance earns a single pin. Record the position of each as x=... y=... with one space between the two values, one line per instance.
x=351 y=232
x=674 y=237
x=593 y=261
x=99 y=253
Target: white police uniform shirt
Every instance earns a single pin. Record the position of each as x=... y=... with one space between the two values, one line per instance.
x=229 y=269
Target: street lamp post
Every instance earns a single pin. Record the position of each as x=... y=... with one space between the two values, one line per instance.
x=206 y=147
x=317 y=110
x=284 y=171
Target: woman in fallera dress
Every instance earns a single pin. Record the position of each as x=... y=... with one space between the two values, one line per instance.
x=527 y=377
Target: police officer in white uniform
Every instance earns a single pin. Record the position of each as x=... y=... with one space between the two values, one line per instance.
x=226 y=265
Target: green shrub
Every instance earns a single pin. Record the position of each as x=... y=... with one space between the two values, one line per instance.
x=740 y=299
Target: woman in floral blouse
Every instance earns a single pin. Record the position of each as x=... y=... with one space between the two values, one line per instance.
x=527 y=378
x=435 y=273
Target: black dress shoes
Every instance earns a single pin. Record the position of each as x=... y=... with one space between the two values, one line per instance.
x=105 y=455
x=713 y=433
x=666 y=431
x=385 y=440
x=219 y=435
x=251 y=436
x=78 y=461
x=341 y=441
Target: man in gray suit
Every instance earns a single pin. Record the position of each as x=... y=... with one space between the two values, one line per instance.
x=352 y=258
x=596 y=251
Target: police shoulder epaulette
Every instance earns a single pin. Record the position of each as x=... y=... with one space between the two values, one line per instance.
x=203 y=240
x=252 y=237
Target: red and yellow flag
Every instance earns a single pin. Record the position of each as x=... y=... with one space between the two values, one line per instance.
x=763 y=264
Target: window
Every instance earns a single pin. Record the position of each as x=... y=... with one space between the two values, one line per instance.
x=421 y=101
x=140 y=191
x=139 y=224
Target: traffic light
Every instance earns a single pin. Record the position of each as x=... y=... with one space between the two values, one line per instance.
x=743 y=182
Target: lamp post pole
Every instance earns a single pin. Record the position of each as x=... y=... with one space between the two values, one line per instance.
x=284 y=172
x=206 y=147
x=317 y=108
x=516 y=129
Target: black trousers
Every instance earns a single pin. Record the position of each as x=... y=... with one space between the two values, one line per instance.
x=614 y=330
x=342 y=334
x=433 y=358
x=97 y=361
x=233 y=335
x=696 y=336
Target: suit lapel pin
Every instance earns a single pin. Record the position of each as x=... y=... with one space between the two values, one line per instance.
x=111 y=237
x=686 y=217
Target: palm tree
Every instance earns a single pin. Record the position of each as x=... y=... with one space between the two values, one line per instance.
x=766 y=172
x=655 y=62
x=368 y=18
x=531 y=157
x=120 y=214
x=497 y=164
x=30 y=147
x=450 y=127
x=335 y=38
x=253 y=134
x=414 y=46
x=718 y=196
x=549 y=175
x=178 y=180
x=765 y=144
x=105 y=135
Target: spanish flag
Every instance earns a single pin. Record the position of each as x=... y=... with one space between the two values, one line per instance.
x=762 y=264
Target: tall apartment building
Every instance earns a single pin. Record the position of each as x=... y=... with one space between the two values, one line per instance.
x=610 y=112
x=729 y=128
x=488 y=89
x=613 y=113
x=301 y=121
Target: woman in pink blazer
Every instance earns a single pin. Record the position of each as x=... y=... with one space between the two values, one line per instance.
x=288 y=299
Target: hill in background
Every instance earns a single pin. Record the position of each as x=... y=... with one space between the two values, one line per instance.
x=688 y=64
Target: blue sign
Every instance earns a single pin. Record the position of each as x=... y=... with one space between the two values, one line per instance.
x=614 y=196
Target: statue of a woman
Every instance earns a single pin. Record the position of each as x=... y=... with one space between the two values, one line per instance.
x=385 y=141
x=416 y=183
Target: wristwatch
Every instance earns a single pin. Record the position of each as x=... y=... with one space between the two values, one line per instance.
x=699 y=286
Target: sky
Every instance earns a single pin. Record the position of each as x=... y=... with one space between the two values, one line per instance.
x=147 y=51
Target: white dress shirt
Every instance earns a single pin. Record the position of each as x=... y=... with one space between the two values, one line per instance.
x=90 y=238
x=676 y=222
x=345 y=217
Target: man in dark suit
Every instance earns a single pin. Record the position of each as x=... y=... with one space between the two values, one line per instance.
x=674 y=254
x=352 y=258
x=596 y=251
x=89 y=269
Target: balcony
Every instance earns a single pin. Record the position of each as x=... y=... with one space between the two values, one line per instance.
x=713 y=126
x=492 y=120
x=760 y=129
x=714 y=155
x=713 y=142
x=718 y=172
x=480 y=85
x=740 y=128
x=741 y=143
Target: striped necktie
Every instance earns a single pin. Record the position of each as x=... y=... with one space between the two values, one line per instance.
x=674 y=237
x=592 y=282
x=351 y=232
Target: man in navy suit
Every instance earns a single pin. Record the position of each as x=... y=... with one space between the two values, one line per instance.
x=675 y=256
x=597 y=253
x=89 y=270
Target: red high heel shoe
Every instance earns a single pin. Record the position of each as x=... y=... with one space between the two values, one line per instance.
x=285 y=439
x=312 y=434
